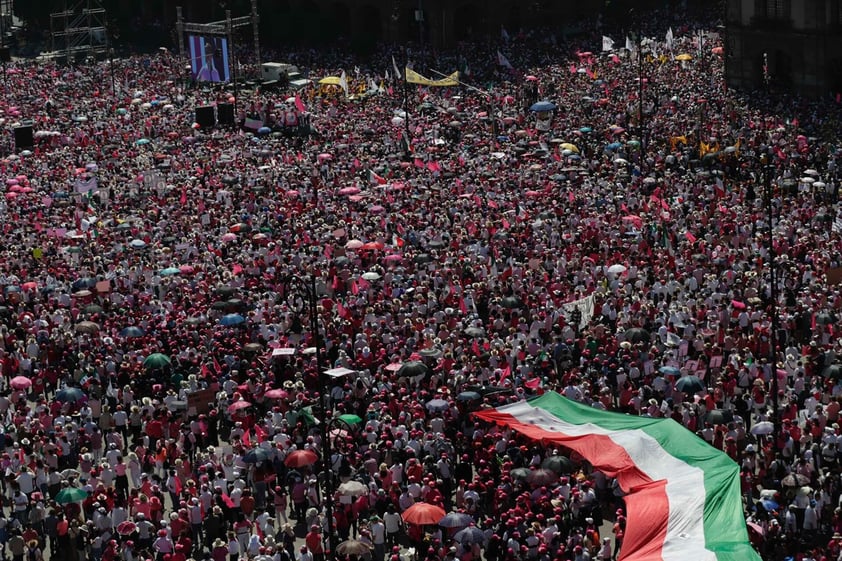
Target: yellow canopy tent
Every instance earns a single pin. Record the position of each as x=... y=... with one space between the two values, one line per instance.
x=329 y=81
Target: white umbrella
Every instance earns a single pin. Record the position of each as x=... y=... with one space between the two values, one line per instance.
x=811 y=172
x=807 y=180
x=371 y=276
x=616 y=269
x=763 y=427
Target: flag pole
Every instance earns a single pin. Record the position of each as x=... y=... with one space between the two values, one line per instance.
x=461 y=83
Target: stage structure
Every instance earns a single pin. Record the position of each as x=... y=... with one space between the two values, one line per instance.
x=210 y=48
x=78 y=30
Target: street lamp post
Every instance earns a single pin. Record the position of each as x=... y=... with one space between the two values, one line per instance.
x=773 y=297
x=301 y=293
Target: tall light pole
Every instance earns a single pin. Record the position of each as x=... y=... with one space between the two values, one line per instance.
x=773 y=294
x=302 y=296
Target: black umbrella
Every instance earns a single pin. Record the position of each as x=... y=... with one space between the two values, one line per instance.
x=689 y=384
x=225 y=291
x=636 y=335
x=558 y=464
x=431 y=352
x=422 y=258
x=413 y=368
x=511 y=302
x=520 y=473
x=341 y=261
x=719 y=417
x=468 y=396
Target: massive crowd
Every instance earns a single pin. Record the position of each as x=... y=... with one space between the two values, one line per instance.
x=160 y=394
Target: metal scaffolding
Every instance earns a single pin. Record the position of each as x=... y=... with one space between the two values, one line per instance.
x=79 y=30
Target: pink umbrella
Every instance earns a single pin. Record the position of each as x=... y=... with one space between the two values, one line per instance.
x=292 y=193
x=276 y=393
x=376 y=209
x=393 y=257
x=533 y=193
x=394 y=367
x=237 y=405
x=31 y=285
x=349 y=191
x=738 y=305
x=187 y=269
x=636 y=221
x=229 y=237
x=20 y=382
x=354 y=244
x=324 y=156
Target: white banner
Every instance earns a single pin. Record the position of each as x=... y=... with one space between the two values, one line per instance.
x=85 y=185
x=586 y=307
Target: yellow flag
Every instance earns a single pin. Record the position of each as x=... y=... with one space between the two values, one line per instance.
x=414 y=77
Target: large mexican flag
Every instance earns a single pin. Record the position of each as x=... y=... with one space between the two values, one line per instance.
x=683 y=499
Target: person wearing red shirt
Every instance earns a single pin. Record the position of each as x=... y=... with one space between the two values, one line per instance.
x=313 y=540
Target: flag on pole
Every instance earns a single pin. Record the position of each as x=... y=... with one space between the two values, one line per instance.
x=299 y=105
x=398 y=75
x=629 y=44
x=376 y=179
x=607 y=44
x=343 y=82
x=669 y=38
x=683 y=495
x=503 y=61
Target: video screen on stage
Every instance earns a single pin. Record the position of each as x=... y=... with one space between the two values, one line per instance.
x=209 y=58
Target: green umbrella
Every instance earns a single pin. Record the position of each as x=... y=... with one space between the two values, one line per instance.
x=169 y=271
x=71 y=495
x=157 y=360
x=349 y=419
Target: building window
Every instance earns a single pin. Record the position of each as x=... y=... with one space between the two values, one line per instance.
x=776 y=9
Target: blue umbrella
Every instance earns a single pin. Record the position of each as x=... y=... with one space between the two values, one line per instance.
x=142 y=141
x=669 y=370
x=70 y=395
x=435 y=405
x=137 y=244
x=456 y=520
x=169 y=271
x=769 y=504
x=543 y=106
x=132 y=331
x=613 y=146
x=470 y=535
x=232 y=319
x=585 y=129
x=264 y=130
x=503 y=138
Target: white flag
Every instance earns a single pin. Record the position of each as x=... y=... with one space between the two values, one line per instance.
x=398 y=75
x=629 y=44
x=343 y=82
x=669 y=38
x=503 y=61
x=607 y=44
x=388 y=76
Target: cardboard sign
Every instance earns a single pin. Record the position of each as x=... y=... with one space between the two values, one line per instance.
x=201 y=401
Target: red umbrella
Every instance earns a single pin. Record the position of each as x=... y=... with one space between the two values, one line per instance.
x=738 y=305
x=373 y=246
x=20 y=382
x=423 y=514
x=237 y=405
x=301 y=458
x=126 y=528
x=276 y=393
